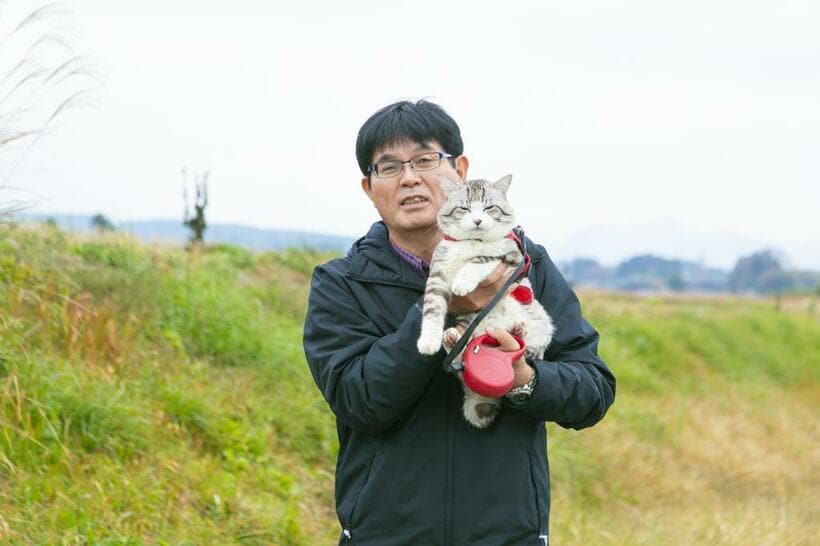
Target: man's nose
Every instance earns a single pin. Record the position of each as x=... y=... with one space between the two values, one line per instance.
x=409 y=176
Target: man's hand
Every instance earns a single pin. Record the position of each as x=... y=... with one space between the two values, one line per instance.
x=507 y=343
x=481 y=296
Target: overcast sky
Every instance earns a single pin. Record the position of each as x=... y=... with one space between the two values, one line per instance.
x=689 y=129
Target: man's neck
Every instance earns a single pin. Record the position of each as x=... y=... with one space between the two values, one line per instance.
x=422 y=247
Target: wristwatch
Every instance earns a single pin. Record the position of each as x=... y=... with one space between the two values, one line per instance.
x=521 y=394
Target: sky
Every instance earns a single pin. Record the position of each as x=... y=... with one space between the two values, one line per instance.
x=686 y=129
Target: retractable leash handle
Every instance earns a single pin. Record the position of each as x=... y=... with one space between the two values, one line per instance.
x=499 y=362
x=488 y=370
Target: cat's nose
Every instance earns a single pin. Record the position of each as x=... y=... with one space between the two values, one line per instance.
x=477 y=221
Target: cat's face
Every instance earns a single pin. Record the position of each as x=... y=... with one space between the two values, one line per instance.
x=476 y=209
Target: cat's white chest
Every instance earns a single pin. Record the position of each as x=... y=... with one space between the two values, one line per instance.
x=462 y=252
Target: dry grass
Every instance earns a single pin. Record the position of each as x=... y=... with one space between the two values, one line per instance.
x=724 y=462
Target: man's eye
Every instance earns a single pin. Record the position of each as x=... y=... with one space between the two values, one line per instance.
x=423 y=162
x=388 y=168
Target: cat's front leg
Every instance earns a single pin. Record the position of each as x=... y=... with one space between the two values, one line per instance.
x=470 y=276
x=434 y=311
x=430 y=339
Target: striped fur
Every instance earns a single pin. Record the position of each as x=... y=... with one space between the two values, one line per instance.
x=477 y=216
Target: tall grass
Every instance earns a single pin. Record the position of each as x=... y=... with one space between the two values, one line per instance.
x=41 y=79
x=154 y=396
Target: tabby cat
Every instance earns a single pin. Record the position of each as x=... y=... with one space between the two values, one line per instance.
x=476 y=220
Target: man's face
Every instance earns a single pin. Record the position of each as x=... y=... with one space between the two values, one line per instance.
x=409 y=202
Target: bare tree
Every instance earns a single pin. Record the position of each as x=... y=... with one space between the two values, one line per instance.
x=101 y=223
x=41 y=78
x=195 y=222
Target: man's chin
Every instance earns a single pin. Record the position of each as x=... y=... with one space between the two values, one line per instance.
x=416 y=225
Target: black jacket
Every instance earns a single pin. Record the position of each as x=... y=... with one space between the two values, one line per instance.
x=410 y=470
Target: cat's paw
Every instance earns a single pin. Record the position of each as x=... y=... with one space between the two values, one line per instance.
x=450 y=338
x=519 y=329
x=429 y=343
x=462 y=286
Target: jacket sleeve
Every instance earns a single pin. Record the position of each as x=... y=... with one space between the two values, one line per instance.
x=575 y=387
x=369 y=379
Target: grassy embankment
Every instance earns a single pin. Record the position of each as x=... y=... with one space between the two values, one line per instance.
x=150 y=396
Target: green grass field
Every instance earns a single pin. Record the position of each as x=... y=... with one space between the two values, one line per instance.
x=154 y=396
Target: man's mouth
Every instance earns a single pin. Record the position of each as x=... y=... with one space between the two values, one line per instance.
x=413 y=200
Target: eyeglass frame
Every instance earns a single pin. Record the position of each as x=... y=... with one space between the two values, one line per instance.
x=371 y=169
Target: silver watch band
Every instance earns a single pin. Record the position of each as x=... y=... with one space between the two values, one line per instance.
x=524 y=391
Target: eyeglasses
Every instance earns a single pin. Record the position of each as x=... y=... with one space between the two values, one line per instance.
x=420 y=163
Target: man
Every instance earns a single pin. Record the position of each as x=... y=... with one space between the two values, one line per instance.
x=410 y=470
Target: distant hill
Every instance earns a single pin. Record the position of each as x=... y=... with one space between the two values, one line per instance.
x=174 y=232
x=646 y=273
x=758 y=273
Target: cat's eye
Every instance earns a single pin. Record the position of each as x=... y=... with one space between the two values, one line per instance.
x=492 y=208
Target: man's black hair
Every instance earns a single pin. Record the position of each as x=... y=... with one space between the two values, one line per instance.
x=419 y=122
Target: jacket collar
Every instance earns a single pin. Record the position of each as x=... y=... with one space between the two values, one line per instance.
x=372 y=260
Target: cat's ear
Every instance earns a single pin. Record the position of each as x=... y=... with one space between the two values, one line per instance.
x=502 y=184
x=447 y=185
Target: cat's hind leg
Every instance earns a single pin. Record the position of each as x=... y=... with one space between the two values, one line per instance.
x=450 y=338
x=478 y=410
x=519 y=328
x=453 y=334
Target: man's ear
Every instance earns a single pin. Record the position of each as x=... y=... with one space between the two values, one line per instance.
x=366 y=187
x=447 y=185
x=462 y=165
x=503 y=183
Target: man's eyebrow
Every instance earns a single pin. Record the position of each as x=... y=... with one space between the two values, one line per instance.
x=384 y=157
x=390 y=157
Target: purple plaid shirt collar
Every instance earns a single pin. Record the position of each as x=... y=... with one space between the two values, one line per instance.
x=422 y=267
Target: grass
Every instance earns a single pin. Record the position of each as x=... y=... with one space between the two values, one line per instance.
x=151 y=396
x=712 y=439
x=154 y=396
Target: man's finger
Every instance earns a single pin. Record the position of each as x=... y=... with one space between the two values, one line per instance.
x=505 y=339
